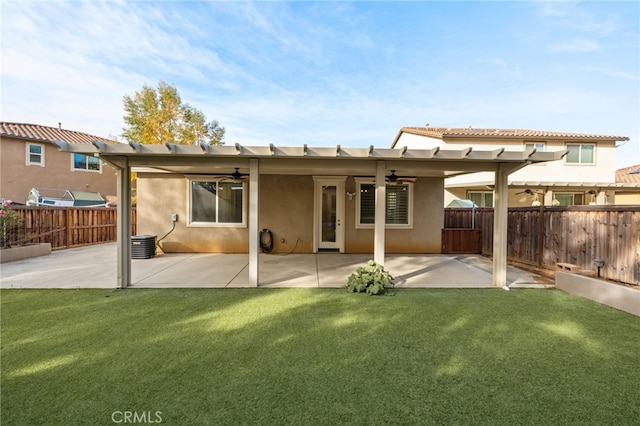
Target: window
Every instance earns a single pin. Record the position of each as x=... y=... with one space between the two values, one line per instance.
x=568 y=198
x=397 y=206
x=539 y=146
x=84 y=162
x=481 y=198
x=216 y=203
x=580 y=153
x=35 y=154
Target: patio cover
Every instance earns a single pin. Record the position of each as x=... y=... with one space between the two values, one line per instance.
x=305 y=160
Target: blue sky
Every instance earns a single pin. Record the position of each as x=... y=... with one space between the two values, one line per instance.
x=328 y=73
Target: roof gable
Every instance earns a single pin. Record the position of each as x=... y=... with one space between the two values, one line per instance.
x=36 y=132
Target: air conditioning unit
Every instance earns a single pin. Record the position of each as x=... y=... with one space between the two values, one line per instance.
x=143 y=246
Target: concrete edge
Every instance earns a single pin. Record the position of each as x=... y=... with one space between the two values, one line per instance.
x=610 y=294
x=24 y=252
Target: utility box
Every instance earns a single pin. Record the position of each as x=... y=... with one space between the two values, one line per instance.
x=143 y=246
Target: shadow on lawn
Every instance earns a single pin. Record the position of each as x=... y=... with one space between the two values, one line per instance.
x=315 y=357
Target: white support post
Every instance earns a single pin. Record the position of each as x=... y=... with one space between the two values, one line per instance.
x=379 y=221
x=254 y=234
x=500 y=214
x=123 y=226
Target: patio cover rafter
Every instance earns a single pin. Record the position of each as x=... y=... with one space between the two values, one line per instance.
x=203 y=159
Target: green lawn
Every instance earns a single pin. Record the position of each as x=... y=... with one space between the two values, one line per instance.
x=311 y=356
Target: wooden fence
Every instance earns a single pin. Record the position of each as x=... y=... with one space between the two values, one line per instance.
x=66 y=227
x=544 y=236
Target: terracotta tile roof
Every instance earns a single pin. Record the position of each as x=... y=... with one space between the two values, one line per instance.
x=36 y=132
x=445 y=132
x=629 y=174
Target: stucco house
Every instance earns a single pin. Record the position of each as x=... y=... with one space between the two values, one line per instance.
x=586 y=175
x=630 y=176
x=29 y=159
x=349 y=200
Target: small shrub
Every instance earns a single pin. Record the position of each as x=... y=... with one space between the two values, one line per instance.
x=372 y=279
x=10 y=223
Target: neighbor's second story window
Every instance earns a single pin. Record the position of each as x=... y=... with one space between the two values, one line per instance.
x=581 y=153
x=35 y=154
x=83 y=162
x=539 y=146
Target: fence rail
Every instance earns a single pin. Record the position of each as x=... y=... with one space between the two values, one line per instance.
x=66 y=227
x=544 y=236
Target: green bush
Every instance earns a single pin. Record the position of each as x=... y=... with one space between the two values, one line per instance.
x=372 y=279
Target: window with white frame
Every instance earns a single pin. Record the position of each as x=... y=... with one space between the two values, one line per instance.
x=539 y=146
x=35 y=154
x=214 y=202
x=398 y=205
x=568 y=198
x=481 y=198
x=583 y=153
x=86 y=163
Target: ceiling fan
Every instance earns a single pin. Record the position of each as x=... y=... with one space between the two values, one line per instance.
x=235 y=176
x=393 y=178
x=528 y=192
x=535 y=196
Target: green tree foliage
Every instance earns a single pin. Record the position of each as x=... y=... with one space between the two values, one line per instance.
x=155 y=116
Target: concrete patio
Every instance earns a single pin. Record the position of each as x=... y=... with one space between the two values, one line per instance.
x=95 y=267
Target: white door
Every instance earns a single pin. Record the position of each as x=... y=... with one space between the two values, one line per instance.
x=329 y=214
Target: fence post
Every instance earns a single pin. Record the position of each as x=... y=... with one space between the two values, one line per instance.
x=541 y=232
x=67 y=224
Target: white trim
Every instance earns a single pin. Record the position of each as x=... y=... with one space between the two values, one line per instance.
x=75 y=169
x=579 y=162
x=339 y=183
x=205 y=178
x=28 y=161
x=408 y=225
x=254 y=220
x=379 y=233
x=123 y=226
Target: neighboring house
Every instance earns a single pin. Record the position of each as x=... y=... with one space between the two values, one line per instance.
x=629 y=176
x=29 y=159
x=585 y=175
x=349 y=200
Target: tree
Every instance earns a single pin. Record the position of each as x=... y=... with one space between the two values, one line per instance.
x=155 y=116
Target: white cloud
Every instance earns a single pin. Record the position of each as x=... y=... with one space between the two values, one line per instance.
x=581 y=45
x=317 y=73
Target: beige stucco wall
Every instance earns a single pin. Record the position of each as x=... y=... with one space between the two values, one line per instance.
x=428 y=220
x=286 y=208
x=627 y=198
x=602 y=171
x=17 y=178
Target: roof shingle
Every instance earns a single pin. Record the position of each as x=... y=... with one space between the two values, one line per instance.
x=629 y=174
x=36 y=132
x=446 y=132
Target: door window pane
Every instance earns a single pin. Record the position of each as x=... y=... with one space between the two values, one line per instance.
x=329 y=213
